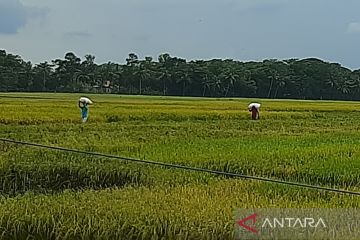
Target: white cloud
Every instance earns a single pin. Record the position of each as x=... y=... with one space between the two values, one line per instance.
x=354 y=27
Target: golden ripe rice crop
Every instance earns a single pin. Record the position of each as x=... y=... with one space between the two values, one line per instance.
x=49 y=194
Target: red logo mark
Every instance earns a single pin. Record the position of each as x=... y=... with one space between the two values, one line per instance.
x=243 y=221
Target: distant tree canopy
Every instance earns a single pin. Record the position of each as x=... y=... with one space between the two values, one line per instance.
x=309 y=78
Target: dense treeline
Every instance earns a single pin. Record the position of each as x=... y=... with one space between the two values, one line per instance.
x=293 y=78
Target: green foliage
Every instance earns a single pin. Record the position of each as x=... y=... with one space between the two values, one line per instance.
x=293 y=78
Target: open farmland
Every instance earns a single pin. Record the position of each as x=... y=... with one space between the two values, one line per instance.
x=49 y=194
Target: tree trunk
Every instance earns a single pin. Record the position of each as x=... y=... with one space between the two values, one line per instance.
x=164 y=87
x=276 y=91
x=271 y=84
x=140 y=86
x=204 y=89
x=227 y=90
x=183 y=92
x=44 y=82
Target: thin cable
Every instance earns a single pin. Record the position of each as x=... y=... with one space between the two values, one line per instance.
x=170 y=165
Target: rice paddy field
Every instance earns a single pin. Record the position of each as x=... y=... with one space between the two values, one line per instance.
x=47 y=194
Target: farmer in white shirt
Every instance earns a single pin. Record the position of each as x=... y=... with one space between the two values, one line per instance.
x=84 y=103
x=254 y=109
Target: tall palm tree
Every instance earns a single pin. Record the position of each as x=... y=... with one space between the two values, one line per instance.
x=229 y=76
x=45 y=70
x=183 y=78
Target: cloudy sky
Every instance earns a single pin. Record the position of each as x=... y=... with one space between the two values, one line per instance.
x=40 y=30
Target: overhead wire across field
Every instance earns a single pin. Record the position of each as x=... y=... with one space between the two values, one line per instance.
x=184 y=167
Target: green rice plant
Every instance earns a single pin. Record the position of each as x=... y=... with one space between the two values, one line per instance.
x=55 y=195
x=194 y=211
